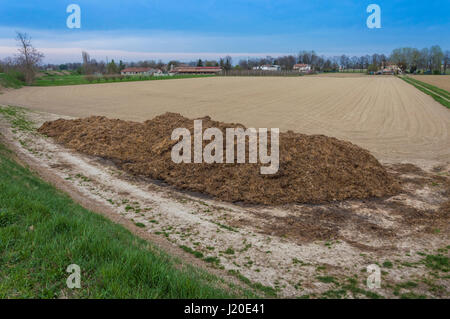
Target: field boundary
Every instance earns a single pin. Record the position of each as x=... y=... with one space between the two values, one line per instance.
x=438 y=94
x=64 y=80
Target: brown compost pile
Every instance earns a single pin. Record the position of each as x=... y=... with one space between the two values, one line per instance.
x=313 y=168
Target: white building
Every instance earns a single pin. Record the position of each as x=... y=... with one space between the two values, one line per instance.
x=303 y=68
x=268 y=67
x=140 y=71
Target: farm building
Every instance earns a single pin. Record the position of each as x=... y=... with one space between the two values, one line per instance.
x=391 y=69
x=140 y=71
x=268 y=67
x=196 y=70
x=300 y=67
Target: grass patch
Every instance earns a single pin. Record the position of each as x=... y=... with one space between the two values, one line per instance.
x=42 y=231
x=187 y=249
x=352 y=286
x=16 y=116
x=327 y=279
x=226 y=227
x=229 y=251
x=212 y=259
x=431 y=87
x=433 y=93
x=437 y=262
x=267 y=290
x=411 y=295
x=407 y=285
x=10 y=81
x=334 y=294
x=60 y=80
x=346 y=288
x=320 y=268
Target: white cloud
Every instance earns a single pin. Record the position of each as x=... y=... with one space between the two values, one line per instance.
x=66 y=46
x=61 y=55
x=131 y=45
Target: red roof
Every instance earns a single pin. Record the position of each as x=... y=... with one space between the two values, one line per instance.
x=136 y=69
x=194 y=69
x=300 y=65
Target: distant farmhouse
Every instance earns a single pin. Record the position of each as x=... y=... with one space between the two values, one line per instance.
x=302 y=68
x=268 y=67
x=140 y=71
x=195 y=70
x=391 y=69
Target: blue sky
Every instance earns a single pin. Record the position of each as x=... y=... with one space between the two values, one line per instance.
x=189 y=29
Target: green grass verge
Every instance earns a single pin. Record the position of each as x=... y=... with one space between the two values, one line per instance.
x=16 y=117
x=431 y=87
x=431 y=90
x=59 y=80
x=9 y=81
x=42 y=231
x=352 y=71
x=267 y=290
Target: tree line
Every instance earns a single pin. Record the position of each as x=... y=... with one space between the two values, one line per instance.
x=408 y=59
x=319 y=63
x=430 y=59
x=25 y=64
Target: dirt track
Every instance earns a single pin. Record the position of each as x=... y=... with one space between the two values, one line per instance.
x=387 y=116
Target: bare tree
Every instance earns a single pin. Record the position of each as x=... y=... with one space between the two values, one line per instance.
x=226 y=63
x=436 y=57
x=87 y=69
x=344 y=61
x=28 y=58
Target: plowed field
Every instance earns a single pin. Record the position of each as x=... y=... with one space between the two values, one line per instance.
x=385 y=115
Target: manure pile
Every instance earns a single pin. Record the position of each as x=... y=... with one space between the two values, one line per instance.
x=313 y=168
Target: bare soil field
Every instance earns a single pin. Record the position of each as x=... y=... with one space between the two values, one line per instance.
x=441 y=81
x=385 y=115
x=341 y=75
x=292 y=250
